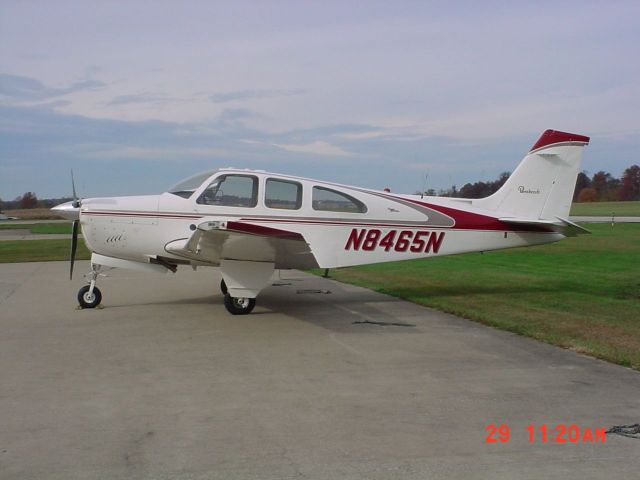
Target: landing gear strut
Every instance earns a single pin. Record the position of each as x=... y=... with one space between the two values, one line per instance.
x=90 y=296
x=239 y=305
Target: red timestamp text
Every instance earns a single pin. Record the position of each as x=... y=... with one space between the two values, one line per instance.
x=560 y=433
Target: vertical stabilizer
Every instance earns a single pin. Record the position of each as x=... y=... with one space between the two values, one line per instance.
x=541 y=187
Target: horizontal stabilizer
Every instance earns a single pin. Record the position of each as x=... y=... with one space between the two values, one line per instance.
x=577 y=228
x=529 y=221
x=561 y=225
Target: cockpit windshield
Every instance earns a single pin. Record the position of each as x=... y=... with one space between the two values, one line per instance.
x=186 y=187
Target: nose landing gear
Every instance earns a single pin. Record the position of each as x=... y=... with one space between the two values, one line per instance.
x=90 y=296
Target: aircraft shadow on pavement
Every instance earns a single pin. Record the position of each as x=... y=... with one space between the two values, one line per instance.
x=341 y=307
x=328 y=306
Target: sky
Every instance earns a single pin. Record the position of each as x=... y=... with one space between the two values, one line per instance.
x=136 y=95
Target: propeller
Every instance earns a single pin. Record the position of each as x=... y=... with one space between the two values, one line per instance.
x=74 y=230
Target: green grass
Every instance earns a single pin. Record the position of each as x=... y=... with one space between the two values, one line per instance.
x=582 y=293
x=40 y=251
x=40 y=228
x=624 y=209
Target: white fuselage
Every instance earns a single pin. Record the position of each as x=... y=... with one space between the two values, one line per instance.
x=393 y=227
x=251 y=222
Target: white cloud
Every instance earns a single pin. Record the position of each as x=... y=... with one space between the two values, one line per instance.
x=256 y=94
x=318 y=147
x=175 y=154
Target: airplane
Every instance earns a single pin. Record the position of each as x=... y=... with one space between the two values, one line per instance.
x=249 y=223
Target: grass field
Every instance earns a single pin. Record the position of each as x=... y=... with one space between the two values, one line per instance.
x=40 y=250
x=582 y=293
x=40 y=228
x=621 y=209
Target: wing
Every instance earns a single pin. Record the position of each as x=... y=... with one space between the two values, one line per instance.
x=213 y=241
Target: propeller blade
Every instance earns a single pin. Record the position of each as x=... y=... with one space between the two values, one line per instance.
x=74 y=246
x=76 y=200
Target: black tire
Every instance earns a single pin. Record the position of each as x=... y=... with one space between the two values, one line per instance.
x=239 y=306
x=86 y=301
x=223 y=287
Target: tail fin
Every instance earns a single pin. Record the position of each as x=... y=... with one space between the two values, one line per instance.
x=541 y=187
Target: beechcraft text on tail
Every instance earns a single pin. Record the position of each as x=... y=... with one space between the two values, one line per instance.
x=249 y=223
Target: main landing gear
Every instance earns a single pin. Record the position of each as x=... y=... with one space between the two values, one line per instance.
x=239 y=305
x=242 y=282
x=90 y=296
x=236 y=305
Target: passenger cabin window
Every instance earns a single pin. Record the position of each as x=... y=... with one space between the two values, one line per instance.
x=328 y=200
x=231 y=191
x=283 y=194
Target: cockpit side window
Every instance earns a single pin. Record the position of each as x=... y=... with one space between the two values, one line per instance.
x=328 y=200
x=186 y=187
x=231 y=191
x=283 y=194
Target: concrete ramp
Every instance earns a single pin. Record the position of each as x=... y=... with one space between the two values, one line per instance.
x=323 y=381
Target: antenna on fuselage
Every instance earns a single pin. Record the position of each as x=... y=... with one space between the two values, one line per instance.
x=424 y=186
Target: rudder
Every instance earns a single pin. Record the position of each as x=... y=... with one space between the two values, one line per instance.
x=542 y=185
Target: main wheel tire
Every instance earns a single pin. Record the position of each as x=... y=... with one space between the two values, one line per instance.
x=239 y=305
x=223 y=287
x=87 y=300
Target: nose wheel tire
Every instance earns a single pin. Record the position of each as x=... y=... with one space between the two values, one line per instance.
x=239 y=305
x=223 y=287
x=89 y=300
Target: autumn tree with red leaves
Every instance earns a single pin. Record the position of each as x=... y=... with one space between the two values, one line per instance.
x=630 y=184
x=28 y=200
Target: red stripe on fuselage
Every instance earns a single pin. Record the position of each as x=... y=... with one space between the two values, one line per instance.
x=476 y=221
x=106 y=213
x=463 y=220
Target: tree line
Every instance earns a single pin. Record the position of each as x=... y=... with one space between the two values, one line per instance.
x=599 y=187
x=30 y=200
